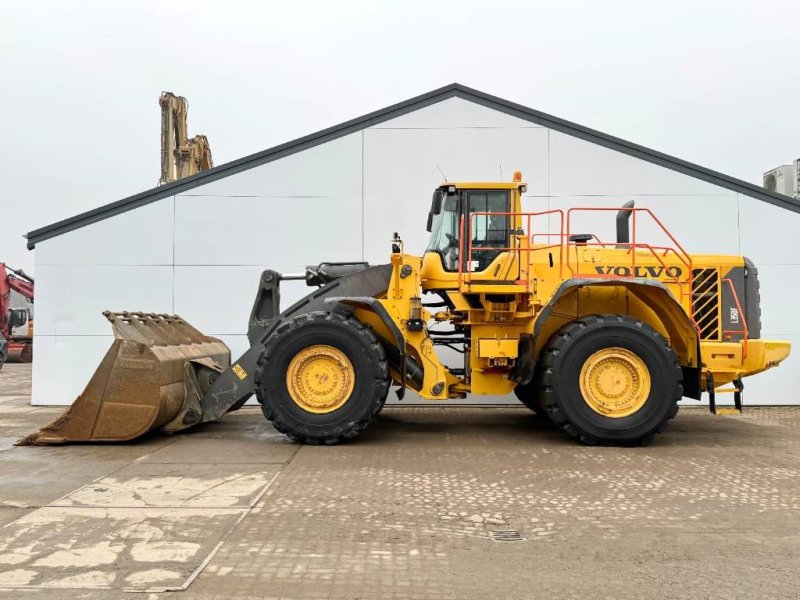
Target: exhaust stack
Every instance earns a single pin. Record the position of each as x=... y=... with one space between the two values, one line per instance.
x=623 y=229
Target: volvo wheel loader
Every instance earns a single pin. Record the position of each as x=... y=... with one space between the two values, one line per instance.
x=604 y=338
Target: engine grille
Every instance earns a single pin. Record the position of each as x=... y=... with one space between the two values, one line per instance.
x=705 y=302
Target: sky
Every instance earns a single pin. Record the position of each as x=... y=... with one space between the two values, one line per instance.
x=716 y=83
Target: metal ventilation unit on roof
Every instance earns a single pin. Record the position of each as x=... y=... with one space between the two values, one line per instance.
x=797 y=178
x=784 y=180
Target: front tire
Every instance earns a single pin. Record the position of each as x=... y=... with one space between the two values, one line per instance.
x=322 y=378
x=610 y=379
x=528 y=394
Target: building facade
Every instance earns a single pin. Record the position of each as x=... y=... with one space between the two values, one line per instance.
x=196 y=247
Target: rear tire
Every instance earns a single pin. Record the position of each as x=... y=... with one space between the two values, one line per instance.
x=333 y=401
x=610 y=380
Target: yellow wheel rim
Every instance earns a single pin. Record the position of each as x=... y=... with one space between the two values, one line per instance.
x=320 y=379
x=615 y=382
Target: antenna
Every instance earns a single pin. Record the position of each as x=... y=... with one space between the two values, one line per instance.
x=442 y=172
x=501 y=171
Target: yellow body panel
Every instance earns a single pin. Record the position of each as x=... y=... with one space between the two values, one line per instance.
x=494 y=348
x=733 y=360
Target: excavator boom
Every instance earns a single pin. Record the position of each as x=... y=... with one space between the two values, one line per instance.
x=181 y=156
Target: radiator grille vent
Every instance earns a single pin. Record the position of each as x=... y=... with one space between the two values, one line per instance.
x=705 y=302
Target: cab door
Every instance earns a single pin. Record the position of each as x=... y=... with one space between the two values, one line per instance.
x=488 y=237
x=471 y=233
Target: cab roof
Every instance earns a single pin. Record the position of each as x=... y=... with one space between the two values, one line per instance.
x=484 y=185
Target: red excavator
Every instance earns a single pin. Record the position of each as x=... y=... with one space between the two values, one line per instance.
x=20 y=343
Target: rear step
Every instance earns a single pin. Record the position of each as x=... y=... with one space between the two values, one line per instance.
x=737 y=390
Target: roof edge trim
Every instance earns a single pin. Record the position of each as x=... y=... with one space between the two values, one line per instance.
x=242 y=164
x=396 y=110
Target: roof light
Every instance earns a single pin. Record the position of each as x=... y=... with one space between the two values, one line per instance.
x=517 y=175
x=523 y=189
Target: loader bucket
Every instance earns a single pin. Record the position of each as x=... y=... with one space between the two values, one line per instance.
x=140 y=385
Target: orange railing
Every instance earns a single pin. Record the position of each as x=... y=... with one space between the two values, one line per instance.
x=635 y=249
x=683 y=281
x=465 y=275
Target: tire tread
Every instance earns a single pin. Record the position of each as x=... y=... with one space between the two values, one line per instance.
x=559 y=342
x=380 y=385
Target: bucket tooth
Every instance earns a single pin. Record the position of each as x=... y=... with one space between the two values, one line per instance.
x=142 y=383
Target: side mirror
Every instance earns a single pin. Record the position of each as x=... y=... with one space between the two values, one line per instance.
x=436 y=208
x=436 y=202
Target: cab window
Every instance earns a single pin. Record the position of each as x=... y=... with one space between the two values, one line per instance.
x=489 y=232
x=444 y=232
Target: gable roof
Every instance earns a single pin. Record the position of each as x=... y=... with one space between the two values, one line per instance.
x=453 y=90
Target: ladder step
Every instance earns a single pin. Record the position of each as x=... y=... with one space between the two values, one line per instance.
x=737 y=390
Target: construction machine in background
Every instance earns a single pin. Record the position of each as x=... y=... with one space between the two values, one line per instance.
x=3 y=350
x=604 y=338
x=16 y=323
x=181 y=156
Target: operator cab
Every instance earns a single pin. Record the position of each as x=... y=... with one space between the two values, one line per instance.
x=471 y=222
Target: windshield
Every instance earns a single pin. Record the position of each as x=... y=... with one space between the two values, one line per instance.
x=488 y=224
x=444 y=233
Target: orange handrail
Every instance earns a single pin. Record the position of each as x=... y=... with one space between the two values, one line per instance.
x=683 y=282
x=464 y=275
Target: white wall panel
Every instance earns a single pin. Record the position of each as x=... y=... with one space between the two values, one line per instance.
x=212 y=230
x=218 y=299
x=400 y=174
x=63 y=365
x=70 y=300
x=384 y=216
x=779 y=308
x=454 y=113
x=769 y=234
x=700 y=224
x=331 y=169
x=579 y=168
x=137 y=237
x=403 y=162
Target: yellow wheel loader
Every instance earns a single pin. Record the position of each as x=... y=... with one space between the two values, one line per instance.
x=604 y=338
